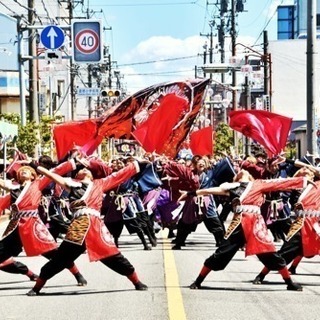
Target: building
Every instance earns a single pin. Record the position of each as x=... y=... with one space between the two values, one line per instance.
x=289 y=56
x=58 y=82
x=292 y=20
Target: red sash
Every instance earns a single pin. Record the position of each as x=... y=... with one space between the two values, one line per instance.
x=98 y=241
x=310 y=238
x=258 y=239
x=35 y=237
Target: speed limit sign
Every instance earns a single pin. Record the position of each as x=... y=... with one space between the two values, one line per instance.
x=86 y=38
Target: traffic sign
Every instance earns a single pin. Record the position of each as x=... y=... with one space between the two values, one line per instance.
x=88 y=92
x=86 y=41
x=52 y=37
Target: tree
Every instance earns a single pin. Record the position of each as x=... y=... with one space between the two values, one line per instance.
x=223 y=139
x=32 y=135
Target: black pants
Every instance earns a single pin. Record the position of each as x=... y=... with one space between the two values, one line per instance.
x=229 y=247
x=11 y=246
x=216 y=227
x=68 y=252
x=292 y=248
x=280 y=228
x=183 y=230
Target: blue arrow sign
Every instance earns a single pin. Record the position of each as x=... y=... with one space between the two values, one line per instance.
x=52 y=37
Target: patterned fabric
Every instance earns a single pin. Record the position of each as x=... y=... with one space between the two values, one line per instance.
x=92 y=231
x=235 y=222
x=295 y=227
x=34 y=235
x=78 y=230
x=13 y=223
x=258 y=239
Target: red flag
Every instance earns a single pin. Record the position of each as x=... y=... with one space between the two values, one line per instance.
x=201 y=141
x=269 y=129
x=126 y=117
x=194 y=91
x=154 y=132
x=67 y=135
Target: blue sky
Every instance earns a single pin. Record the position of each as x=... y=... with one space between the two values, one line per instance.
x=156 y=41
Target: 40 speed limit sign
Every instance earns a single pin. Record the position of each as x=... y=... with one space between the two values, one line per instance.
x=86 y=41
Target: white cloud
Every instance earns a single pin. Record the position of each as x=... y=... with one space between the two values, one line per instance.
x=165 y=55
x=169 y=61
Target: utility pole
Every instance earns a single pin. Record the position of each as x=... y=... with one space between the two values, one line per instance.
x=267 y=89
x=247 y=94
x=72 y=70
x=90 y=86
x=311 y=77
x=33 y=70
x=234 y=72
x=221 y=33
x=109 y=71
x=210 y=36
x=23 y=107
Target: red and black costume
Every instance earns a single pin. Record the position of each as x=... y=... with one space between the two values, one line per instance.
x=25 y=228
x=303 y=238
x=87 y=231
x=248 y=229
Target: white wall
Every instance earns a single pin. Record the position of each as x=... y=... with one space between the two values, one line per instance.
x=289 y=77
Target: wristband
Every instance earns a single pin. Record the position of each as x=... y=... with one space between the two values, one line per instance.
x=192 y=193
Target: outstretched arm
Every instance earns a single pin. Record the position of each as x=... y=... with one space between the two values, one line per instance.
x=54 y=176
x=217 y=191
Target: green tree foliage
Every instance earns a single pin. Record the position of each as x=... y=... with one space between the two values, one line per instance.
x=223 y=139
x=31 y=135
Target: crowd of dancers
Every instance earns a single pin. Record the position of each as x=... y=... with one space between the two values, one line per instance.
x=87 y=201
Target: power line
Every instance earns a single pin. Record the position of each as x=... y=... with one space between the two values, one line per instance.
x=9 y=9
x=159 y=60
x=157 y=73
x=264 y=28
x=148 y=4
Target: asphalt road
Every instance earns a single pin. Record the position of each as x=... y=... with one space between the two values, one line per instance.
x=227 y=295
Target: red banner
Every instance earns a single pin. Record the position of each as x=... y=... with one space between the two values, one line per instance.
x=132 y=114
x=269 y=129
x=201 y=141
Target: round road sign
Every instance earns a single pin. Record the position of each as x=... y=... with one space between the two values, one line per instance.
x=87 y=41
x=52 y=37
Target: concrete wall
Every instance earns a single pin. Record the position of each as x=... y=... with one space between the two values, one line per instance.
x=289 y=81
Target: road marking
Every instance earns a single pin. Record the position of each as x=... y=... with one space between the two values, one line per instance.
x=175 y=302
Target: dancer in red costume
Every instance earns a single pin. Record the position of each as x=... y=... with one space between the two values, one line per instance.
x=25 y=228
x=10 y=265
x=247 y=227
x=87 y=231
x=303 y=238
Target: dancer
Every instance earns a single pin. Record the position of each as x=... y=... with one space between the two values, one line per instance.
x=10 y=265
x=54 y=213
x=87 y=231
x=196 y=210
x=303 y=238
x=247 y=227
x=121 y=206
x=25 y=228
